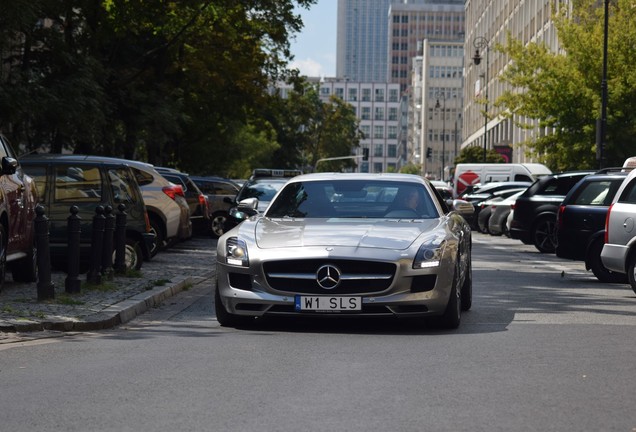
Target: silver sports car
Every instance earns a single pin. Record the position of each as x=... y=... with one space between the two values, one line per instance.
x=354 y=244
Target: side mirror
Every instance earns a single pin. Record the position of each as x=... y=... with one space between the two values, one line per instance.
x=248 y=204
x=9 y=165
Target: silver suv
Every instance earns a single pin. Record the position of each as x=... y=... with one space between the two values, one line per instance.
x=619 y=250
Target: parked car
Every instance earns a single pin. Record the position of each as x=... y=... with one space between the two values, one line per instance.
x=256 y=194
x=535 y=210
x=498 y=222
x=467 y=176
x=18 y=199
x=64 y=181
x=197 y=201
x=483 y=192
x=217 y=189
x=168 y=211
x=348 y=244
x=444 y=189
x=619 y=251
x=581 y=222
x=484 y=208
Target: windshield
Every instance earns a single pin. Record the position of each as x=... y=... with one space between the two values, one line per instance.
x=354 y=199
x=262 y=189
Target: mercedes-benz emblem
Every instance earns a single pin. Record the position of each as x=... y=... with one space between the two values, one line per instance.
x=328 y=276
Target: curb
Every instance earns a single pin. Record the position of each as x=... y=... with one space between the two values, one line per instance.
x=111 y=316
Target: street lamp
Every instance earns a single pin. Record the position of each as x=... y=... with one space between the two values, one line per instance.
x=481 y=43
x=443 y=131
x=602 y=123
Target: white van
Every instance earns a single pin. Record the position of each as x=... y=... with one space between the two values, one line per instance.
x=469 y=174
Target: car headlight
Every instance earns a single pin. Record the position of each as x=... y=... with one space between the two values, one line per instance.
x=237 y=214
x=236 y=252
x=430 y=253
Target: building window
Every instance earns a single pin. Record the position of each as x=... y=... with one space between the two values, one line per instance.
x=353 y=94
x=379 y=95
x=366 y=113
x=377 y=167
x=325 y=91
x=366 y=95
x=393 y=95
x=378 y=150
x=392 y=132
x=393 y=114
x=366 y=131
x=340 y=93
x=378 y=133
x=379 y=113
x=392 y=150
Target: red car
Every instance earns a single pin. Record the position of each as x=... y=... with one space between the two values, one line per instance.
x=18 y=199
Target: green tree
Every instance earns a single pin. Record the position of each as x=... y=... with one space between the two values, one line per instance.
x=411 y=169
x=475 y=154
x=562 y=91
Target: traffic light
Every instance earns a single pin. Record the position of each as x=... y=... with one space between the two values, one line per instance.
x=429 y=152
x=365 y=154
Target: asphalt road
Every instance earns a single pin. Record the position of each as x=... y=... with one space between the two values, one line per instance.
x=545 y=348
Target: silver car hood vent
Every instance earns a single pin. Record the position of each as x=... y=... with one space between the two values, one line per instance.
x=375 y=233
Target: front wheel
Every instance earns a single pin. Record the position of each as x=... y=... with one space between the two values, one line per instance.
x=544 y=234
x=133 y=256
x=218 y=224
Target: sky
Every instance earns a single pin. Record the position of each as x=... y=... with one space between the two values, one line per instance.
x=314 y=48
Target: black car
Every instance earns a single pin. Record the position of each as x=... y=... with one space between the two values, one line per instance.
x=581 y=222
x=256 y=194
x=64 y=181
x=217 y=189
x=535 y=210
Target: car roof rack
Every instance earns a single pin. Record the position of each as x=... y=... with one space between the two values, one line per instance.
x=267 y=172
x=613 y=169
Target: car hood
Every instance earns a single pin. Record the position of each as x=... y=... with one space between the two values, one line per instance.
x=374 y=233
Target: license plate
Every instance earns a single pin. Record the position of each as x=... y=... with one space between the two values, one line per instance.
x=328 y=304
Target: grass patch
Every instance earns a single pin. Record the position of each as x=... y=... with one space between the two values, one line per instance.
x=39 y=314
x=161 y=282
x=133 y=273
x=102 y=287
x=65 y=299
x=11 y=310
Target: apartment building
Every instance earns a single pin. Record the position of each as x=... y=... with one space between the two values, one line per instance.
x=377 y=105
x=487 y=23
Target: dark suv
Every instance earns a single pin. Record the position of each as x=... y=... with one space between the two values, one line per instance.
x=534 y=212
x=580 y=225
x=18 y=198
x=87 y=182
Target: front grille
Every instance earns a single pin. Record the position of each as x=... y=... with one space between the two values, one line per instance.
x=357 y=277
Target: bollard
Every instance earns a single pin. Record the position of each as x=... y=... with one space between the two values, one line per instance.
x=72 y=282
x=107 y=248
x=94 y=276
x=120 y=240
x=46 y=289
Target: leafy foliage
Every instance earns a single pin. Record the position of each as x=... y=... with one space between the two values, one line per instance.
x=562 y=91
x=475 y=154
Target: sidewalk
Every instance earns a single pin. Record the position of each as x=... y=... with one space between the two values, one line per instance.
x=113 y=302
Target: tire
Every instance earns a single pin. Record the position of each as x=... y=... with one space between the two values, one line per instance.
x=467 y=288
x=160 y=238
x=594 y=262
x=544 y=234
x=26 y=269
x=225 y=318
x=133 y=256
x=451 y=318
x=3 y=255
x=217 y=224
x=631 y=270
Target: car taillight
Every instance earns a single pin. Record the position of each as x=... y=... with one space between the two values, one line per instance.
x=512 y=206
x=147 y=219
x=173 y=190
x=609 y=210
x=560 y=216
